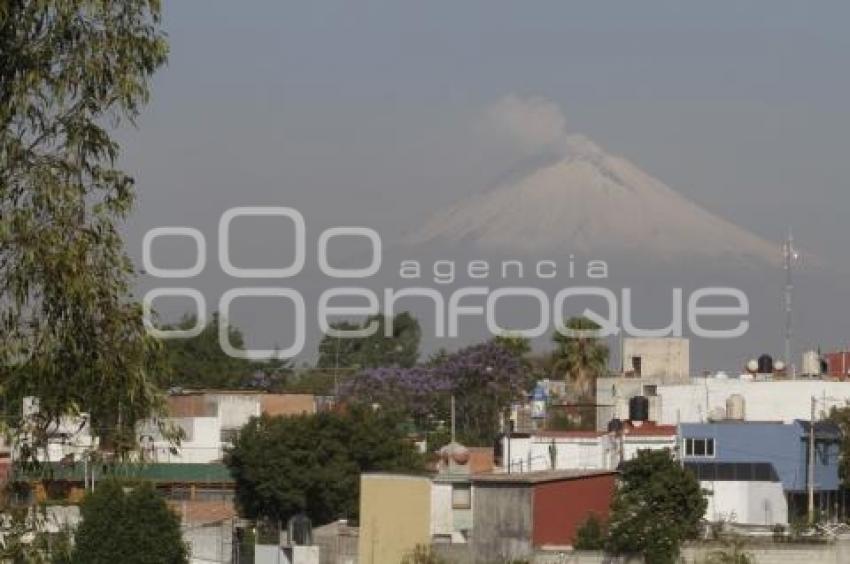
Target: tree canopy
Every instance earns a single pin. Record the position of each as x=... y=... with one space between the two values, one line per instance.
x=657 y=506
x=200 y=362
x=401 y=348
x=484 y=379
x=132 y=528
x=70 y=332
x=312 y=463
x=581 y=358
x=841 y=417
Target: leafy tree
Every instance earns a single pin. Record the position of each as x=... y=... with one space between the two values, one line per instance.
x=200 y=362
x=484 y=379
x=24 y=537
x=841 y=417
x=312 y=463
x=132 y=528
x=580 y=358
x=70 y=332
x=657 y=506
x=519 y=346
x=314 y=381
x=401 y=348
x=591 y=534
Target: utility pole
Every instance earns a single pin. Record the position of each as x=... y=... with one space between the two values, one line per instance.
x=790 y=255
x=453 y=418
x=811 y=480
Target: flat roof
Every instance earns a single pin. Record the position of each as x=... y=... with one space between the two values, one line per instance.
x=539 y=477
x=173 y=472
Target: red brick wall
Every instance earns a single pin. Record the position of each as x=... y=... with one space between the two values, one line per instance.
x=561 y=507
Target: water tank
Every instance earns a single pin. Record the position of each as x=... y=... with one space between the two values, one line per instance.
x=753 y=366
x=615 y=426
x=735 y=407
x=811 y=363
x=779 y=366
x=639 y=408
x=717 y=414
x=765 y=364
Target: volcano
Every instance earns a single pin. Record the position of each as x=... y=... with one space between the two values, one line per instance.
x=588 y=201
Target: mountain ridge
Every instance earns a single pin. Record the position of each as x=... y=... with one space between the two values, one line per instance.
x=591 y=202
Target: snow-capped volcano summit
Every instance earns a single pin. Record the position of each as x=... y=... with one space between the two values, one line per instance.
x=589 y=201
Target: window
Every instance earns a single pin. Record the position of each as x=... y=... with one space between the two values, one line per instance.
x=461 y=496
x=650 y=390
x=699 y=448
x=636 y=365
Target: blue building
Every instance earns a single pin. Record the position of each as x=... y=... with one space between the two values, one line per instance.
x=765 y=452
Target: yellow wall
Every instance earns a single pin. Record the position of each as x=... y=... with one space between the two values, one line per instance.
x=395 y=515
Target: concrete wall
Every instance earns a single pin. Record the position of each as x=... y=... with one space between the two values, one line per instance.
x=337 y=543
x=236 y=409
x=836 y=553
x=780 y=400
x=395 y=516
x=613 y=394
x=441 y=509
x=666 y=359
x=600 y=452
x=502 y=526
x=692 y=402
x=202 y=442
x=750 y=503
x=529 y=454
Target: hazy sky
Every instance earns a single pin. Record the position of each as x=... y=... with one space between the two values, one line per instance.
x=370 y=112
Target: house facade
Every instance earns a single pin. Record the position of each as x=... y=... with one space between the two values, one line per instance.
x=758 y=472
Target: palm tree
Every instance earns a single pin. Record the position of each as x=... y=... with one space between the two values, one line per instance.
x=580 y=358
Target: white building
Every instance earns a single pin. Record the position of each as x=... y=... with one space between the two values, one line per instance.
x=703 y=399
x=583 y=450
x=207 y=421
x=745 y=502
x=771 y=400
x=664 y=359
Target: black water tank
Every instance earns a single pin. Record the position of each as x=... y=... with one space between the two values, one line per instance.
x=615 y=426
x=639 y=408
x=765 y=364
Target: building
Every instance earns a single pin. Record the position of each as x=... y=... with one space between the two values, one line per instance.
x=706 y=399
x=207 y=528
x=395 y=516
x=447 y=510
x=584 y=450
x=210 y=419
x=206 y=420
x=663 y=360
x=516 y=514
x=757 y=472
x=837 y=364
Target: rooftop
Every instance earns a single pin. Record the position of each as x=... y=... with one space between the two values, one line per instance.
x=213 y=473
x=539 y=477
